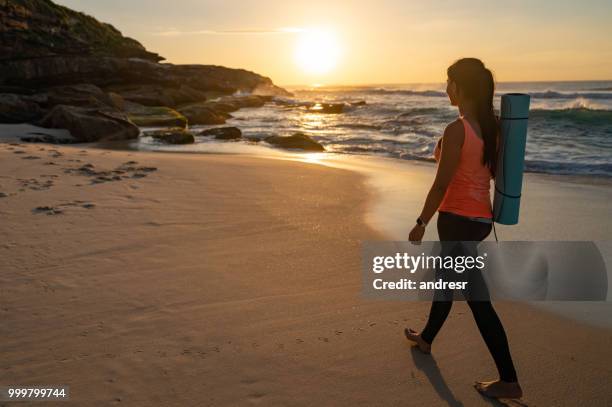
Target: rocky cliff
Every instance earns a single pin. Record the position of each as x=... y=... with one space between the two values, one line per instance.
x=48 y=50
x=40 y=28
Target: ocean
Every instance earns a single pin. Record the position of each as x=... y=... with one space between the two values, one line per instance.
x=570 y=123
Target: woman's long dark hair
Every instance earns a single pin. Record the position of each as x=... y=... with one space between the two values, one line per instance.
x=476 y=83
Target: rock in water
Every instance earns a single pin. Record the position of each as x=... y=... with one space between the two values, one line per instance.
x=202 y=113
x=245 y=100
x=88 y=124
x=254 y=139
x=218 y=111
x=298 y=141
x=222 y=107
x=223 y=133
x=172 y=136
x=157 y=116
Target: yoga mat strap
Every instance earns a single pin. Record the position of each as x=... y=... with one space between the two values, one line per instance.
x=507 y=195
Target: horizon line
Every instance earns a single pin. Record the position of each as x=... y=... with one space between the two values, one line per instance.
x=367 y=84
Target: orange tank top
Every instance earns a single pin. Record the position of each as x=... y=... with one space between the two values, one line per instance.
x=468 y=191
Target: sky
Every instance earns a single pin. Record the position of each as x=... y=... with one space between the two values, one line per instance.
x=371 y=42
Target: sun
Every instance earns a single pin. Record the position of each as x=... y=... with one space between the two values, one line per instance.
x=317 y=51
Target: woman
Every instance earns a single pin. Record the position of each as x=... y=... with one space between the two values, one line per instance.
x=467 y=156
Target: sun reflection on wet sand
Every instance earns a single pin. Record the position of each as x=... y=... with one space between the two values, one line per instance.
x=398 y=188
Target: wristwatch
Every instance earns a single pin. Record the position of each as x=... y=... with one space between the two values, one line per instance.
x=421 y=222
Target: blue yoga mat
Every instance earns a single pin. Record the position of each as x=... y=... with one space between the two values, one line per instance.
x=509 y=178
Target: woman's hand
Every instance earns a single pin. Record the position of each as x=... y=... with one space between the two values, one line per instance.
x=416 y=234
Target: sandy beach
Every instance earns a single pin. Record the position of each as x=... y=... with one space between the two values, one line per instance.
x=142 y=279
x=208 y=203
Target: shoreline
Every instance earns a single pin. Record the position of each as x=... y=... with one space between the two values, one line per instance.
x=253 y=149
x=242 y=270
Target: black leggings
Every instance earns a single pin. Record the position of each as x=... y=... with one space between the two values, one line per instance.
x=457 y=228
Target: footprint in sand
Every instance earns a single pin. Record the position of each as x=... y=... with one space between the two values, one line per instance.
x=34 y=184
x=82 y=204
x=74 y=203
x=256 y=397
x=48 y=210
x=125 y=170
x=101 y=179
x=59 y=209
x=130 y=167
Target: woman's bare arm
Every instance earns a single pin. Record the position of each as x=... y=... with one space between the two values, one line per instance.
x=452 y=142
